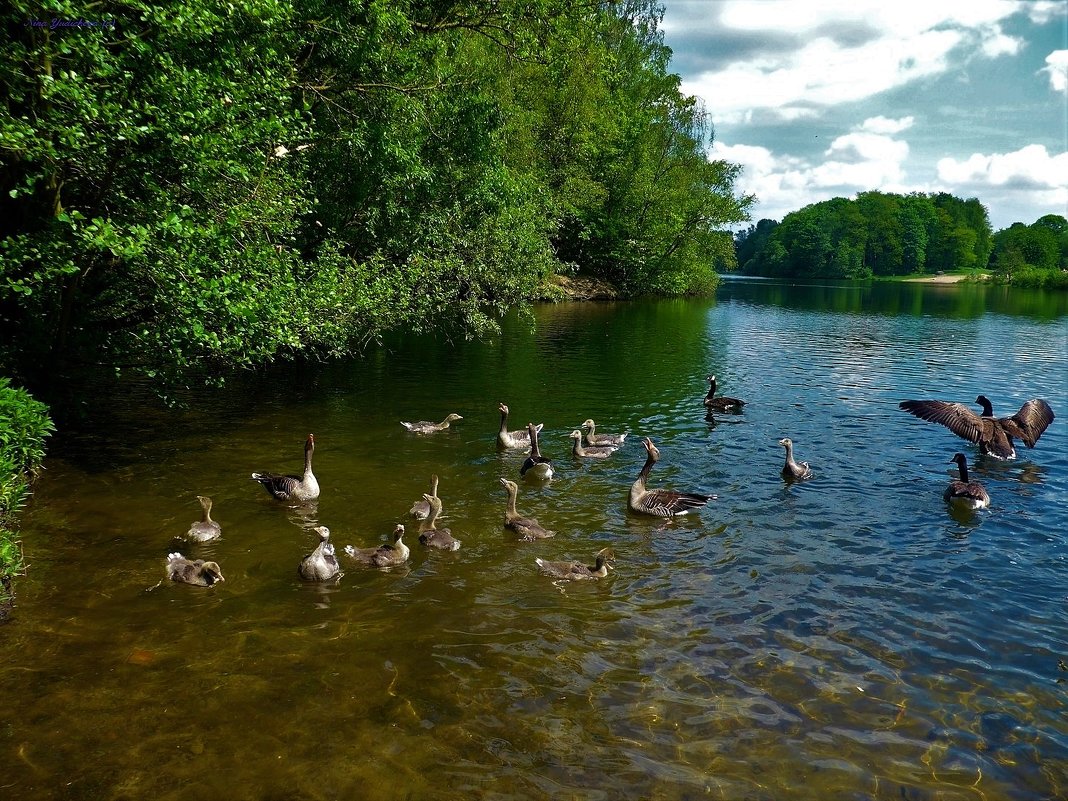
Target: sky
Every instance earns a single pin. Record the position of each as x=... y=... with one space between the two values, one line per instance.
x=827 y=98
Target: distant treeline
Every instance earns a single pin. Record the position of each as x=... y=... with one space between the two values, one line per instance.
x=205 y=184
x=882 y=234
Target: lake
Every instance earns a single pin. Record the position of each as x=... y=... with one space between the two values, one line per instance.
x=846 y=637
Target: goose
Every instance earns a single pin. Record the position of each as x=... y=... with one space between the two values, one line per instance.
x=577 y=571
x=593 y=438
x=722 y=403
x=385 y=555
x=512 y=439
x=965 y=493
x=993 y=434
x=204 y=529
x=526 y=527
x=535 y=464
x=293 y=488
x=661 y=502
x=321 y=564
x=427 y=427
x=198 y=573
x=591 y=452
x=430 y=535
x=792 y=471
x=421 y=509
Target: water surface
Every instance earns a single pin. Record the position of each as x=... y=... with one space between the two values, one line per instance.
x=847 y=637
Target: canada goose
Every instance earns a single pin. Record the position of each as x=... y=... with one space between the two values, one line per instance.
x=592 y=451
x=965 y=493
x=321 y=564
x=293 y=488
x=792 y=471
x=593 y=438
x=512 y=439
x=204 y=529
x=576 y=571
x=430 y=535
x=535 y=464
x=385 y=555
x=526 y=527
x=661 y=502
x=993 y=434
x=722 y=403
x=198 y=573
x=421 y=509
x=427 y=427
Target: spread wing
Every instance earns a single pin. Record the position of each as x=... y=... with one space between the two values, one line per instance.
x=958 y=418
x=1028 y=424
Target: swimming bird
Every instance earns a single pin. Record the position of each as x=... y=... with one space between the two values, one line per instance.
x=592 y=451
x=427 y=427
x=321 y=564
x=792 y=471
x=512 y=439
x=198 y=573
x=293 y=488
x=994 y=435
x=577 y=571
x=430 y=535
x=527 y=528
x=385 y=555
x=204 y=529
x=965 y=493
x=593 y=438
x=661 y=502
x=421 y=509
x=722 y=403
x=536 y=465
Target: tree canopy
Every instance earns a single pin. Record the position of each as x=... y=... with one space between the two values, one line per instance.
x=203 y=184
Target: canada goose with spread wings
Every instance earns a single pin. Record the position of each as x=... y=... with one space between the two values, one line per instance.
x=994 y=435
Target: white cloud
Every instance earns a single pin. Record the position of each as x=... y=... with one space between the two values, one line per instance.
x=1042 y=11
x=1030 y=166
x=885 y=125
x=1057 y=67
x=878 y=48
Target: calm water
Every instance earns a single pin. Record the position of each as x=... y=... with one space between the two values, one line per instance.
x=844 y=638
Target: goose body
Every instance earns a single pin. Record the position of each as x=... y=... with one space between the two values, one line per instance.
x=527 y=528
x=791 y=470
x=293 y=488
x=591 y=451
x=601 y=440
x=321 y=564
x=427 y=427
x=661 y=502
x=196 y=572
x=205 y=529
x=512 y=439
x=386 y=555
x=722 y=403
x=430 y=535
x=994 y=435
x=964 y=493
x=535 y=465
x=577 y=571
x=421 y=509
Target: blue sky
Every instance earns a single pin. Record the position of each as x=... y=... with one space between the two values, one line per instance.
x=828 y=98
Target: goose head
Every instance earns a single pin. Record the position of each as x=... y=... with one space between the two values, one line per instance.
x=309 y=445
x=588 y=423
x=435 y=504
x=652 y=450
x=398 y=532
x=786 y=442
x=452 y=418
x=212 y=572
x=510 y=486
x=988 y=408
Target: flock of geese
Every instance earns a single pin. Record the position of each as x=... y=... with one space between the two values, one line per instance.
x=993 y=435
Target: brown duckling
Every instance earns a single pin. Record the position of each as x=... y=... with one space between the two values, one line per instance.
x=577 y=571
x=293 y=488
x=512 y=439
x=661 y=502
x=593 y=438
x=527 y=528
x=187 y=571
x=321 y=564
x=430 y=535
x=204 y=529
x=385 y=555
x=421 y=509
x=589 y=451
x=791 y=470
x=427 y=427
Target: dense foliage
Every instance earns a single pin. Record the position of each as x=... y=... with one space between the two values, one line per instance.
x=1033 y=255
x=875 y=234
x=24 y=427
x=204 y=184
